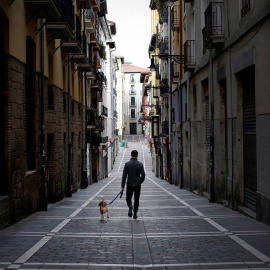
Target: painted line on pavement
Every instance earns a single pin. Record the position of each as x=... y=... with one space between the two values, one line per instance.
x=28 y=254
x=122 y=160
x=251 y=249
x=239 y=241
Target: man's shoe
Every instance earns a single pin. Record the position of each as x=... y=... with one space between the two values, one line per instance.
x=135 y=216
x=130 y=211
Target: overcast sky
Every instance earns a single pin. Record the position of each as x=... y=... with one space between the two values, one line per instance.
x=133 y=29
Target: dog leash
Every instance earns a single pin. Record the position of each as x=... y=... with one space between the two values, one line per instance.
x=121 y=192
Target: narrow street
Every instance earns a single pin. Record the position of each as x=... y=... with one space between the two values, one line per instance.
x=176 y=229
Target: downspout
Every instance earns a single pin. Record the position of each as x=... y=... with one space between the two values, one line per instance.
x=82 y=122
x=44 y=202
x=69 y=193
x=170 y=96
x=181 y=184
x=230 y=67
x=212 y=177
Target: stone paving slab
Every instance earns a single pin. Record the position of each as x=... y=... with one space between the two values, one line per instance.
x=110 y=250
x=95 y=225
x=178 y=226
x=176 y=229
x=197 y=250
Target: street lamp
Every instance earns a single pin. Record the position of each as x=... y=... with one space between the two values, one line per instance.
x=152 y=66
x=155 y=126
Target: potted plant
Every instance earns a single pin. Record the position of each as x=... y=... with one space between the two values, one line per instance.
x=102 y=51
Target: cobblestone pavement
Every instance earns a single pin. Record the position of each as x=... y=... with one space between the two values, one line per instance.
x=176 y=229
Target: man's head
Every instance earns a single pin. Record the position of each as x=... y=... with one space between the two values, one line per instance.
x=134 y=154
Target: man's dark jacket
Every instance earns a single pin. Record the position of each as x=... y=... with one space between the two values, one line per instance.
x=135 y=171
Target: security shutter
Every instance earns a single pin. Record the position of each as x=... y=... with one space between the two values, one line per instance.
x=249 y=128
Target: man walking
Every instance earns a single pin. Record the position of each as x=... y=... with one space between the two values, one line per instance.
x=136 y=175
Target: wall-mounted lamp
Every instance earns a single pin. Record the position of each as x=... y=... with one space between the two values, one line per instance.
x=152 y=66
x=155 y=126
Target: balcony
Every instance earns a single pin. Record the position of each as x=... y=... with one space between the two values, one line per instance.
x=115 y=114
x=95 y=139
x=103 y=9
x=164 y=87
x=44 y=8
x=165 y=128
x=213 y=33
x=89 y=21
x=94 y=40
x=63 y=27
x=83 y=4
x=132 y=104
x=163 y=16
x=78 y=58
x=71 y=46
x=99 y=96
x=104 y=111
x=98 y=82
x=96 y=5
x=164 y=47
x=91 y=117
x=175 y=17
x=114 y=92
x=189 y=55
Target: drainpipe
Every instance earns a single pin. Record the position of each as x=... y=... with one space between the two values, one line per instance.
x=170 y=96
x=44 y=202
x=69 y=193
x=181 y=184
x=230 y=74
x=212 y=177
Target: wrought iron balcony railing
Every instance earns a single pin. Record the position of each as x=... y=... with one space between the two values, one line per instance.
x=164 y=47
x=67 y=14
x=104 y=110
x=99 y=96
x=213 y=33
x=163 y=16
x=115 y=114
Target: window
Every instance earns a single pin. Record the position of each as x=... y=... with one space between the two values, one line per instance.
x=132 y=78
x=132 y=101
x=132 y=113
x=132 y=89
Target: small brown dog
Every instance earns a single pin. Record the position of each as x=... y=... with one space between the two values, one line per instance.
x=103 y=209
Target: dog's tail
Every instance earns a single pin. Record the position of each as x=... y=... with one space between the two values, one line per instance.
x=102 y=198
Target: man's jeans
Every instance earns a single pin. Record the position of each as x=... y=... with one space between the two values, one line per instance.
x=137 y=192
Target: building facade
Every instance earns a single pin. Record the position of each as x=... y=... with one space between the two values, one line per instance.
x=51 y=83
x=218 y=101
x=133 y=98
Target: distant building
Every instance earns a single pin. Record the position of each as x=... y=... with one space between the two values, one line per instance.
x=133 y=98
